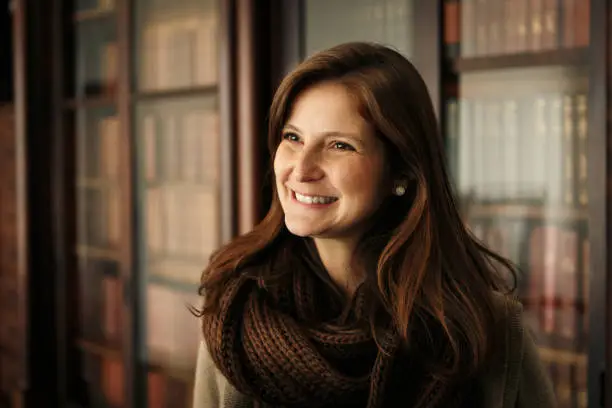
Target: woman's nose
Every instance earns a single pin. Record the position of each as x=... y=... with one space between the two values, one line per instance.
x=307 y=167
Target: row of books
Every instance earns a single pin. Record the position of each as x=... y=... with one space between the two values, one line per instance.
x=172 y=335
x=532 y=147
x=179 y=52
x=99 y=214
x=180 y=164
x=181 y=225
x=101 y=300
x=494 y=27
x=88 y=5
x=555 y=270
x=553 y=286
x=99 y=149
x=97 y=61
x=172 y=331
x=107 y=381
x=182 y=146
x=569 y=375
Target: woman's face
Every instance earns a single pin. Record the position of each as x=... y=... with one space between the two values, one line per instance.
x=329 y=166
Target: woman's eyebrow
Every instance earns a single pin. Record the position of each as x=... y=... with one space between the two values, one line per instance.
x=353 y=135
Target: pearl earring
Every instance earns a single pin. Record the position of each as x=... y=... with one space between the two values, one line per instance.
x=400 y=190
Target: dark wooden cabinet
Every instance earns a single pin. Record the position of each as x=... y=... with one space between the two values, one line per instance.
x=526 y=137
x=141 y=117
x=142 y=129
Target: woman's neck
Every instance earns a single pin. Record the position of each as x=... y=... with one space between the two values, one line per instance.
x=337 y=257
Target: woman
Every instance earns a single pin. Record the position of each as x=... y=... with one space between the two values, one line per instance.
x=361 y=287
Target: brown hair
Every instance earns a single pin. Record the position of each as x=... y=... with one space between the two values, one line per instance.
x=433 y=279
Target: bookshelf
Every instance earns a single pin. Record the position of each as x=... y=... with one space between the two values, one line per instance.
x=95 y=195
x=140 y=123
x=516 y=104
x=177 y=131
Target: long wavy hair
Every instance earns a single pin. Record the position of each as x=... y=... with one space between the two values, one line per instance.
x=434 y=280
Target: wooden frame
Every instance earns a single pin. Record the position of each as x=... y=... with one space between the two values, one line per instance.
x=33 y=113
x=600 y=157
x=246 y=114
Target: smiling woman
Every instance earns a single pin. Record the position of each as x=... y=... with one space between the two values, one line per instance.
x=361 y=287
x=330 y=175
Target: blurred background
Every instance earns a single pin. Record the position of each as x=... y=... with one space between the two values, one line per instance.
x=132 y=145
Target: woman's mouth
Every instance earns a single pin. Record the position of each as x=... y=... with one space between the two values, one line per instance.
x=313 y=199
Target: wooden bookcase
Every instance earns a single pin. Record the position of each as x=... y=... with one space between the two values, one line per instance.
x=143 y=122
x=524 y=134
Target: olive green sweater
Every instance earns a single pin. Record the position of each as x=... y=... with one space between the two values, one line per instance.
x=515 y=378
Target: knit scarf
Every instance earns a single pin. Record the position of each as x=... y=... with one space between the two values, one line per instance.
x=284 y=347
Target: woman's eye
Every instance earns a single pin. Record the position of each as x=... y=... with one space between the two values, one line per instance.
x=292 y=137
x=343 y=146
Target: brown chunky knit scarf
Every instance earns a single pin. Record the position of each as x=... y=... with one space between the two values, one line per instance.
x=284 y=347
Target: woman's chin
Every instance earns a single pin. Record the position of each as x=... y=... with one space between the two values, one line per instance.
x=302 y=229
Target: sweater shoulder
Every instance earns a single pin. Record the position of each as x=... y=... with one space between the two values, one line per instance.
x=502 y=373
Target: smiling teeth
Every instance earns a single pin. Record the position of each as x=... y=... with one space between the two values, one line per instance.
x=314 y=199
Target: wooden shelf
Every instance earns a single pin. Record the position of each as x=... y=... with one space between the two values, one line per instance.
x=93 y=15
x=207 y=90
x=168 y=366
x=161 y=256
x=526 y=211
x=157 y=363
x=180 y=286
x=205 y=186
x=99 y=253
x=96 y=183
x=92 y=102
x=562 y=356
x=100 y=349
x=571 y=57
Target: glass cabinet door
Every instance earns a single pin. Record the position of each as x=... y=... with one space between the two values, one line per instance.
x=516 y=118
x=92 y=112
x=177 y=131
x=388 y=22
x=408 y=26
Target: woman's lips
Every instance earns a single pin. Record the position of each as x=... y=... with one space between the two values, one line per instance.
x=313 y=200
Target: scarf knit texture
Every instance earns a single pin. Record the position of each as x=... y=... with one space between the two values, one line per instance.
x=288 y=345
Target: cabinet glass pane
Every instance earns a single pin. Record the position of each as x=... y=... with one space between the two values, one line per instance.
x=176 y=44
x=96 y=53
x=178 y=141
x=517 y=128
x=328 y=23
x=99 y=224
x=177 y=131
